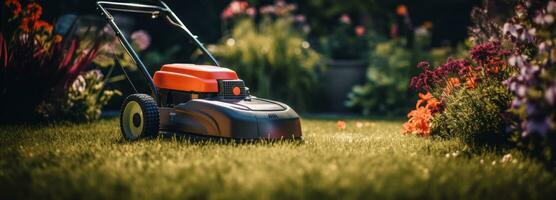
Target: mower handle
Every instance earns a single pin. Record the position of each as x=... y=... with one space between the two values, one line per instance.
x=155 y=11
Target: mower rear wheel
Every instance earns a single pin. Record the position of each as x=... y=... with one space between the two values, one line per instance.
x=139 y=117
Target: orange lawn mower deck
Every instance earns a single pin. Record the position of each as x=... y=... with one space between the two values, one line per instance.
x=196 y=100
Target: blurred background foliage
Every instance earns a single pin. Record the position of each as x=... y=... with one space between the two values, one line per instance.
x=317 y=55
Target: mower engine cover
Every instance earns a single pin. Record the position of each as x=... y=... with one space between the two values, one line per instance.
x=212 y=101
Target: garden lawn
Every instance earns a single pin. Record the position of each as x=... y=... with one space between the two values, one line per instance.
x=90 y=161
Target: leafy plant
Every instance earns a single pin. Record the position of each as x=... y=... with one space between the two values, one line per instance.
x=35 y=63
x=476 y=116
x=272 y=57
x=83 y=101
x=385 y=91
x=388 y=75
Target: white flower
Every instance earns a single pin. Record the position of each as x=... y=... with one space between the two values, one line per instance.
x=507 y=158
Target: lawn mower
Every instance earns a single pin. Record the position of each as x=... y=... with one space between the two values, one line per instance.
x=195 y=100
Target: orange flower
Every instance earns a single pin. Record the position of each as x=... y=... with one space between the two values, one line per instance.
x=58 y=38
x=432 y=104
x=15 y=5
x=428 y=24
x=471 y=83
x=450 y=85
x=34 y=10
x=341 y=124
x=495 y=69
x=419 y=119
x=401 y=10
x=423 y=98
x=43 y=25
x=418 y=122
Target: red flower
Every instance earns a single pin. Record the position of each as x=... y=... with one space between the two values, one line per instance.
x=42 y=25
x=15 y=6
x=34 y=10
x=25 y=22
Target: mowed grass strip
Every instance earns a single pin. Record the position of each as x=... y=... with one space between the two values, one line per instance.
x=90 y=161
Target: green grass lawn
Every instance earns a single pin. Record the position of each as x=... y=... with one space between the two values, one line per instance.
x=90 y=161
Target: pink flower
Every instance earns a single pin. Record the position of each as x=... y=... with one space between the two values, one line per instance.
x=251 y=12
x=345 y=19
x=360 y=31
x=142 y=39
x=300 y=18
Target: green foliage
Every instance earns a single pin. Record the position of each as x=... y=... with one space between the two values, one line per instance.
x=83 y=100
x=475 y=116
x=273 y=58
x=386 y=90
x=391 y=65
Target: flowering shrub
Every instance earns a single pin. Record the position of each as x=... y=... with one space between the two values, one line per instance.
x=272 y=56
x=531 y=33
x=476 y=116
x=471 y=98
x=34 y=62
x=84 y=100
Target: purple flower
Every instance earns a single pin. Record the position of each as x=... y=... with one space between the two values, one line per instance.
x=487 y=51
x=516 y=103
x=423 y=65
x=538 y=127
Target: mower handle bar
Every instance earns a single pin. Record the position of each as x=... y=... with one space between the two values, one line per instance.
x=155 y=11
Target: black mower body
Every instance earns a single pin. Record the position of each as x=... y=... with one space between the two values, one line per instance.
x=249 y=118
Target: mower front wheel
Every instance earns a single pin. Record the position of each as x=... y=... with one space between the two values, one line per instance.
x=139 y=117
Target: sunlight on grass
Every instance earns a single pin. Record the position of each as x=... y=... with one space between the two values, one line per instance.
x=90 y=160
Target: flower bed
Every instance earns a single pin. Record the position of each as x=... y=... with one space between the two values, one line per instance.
x=505 y=89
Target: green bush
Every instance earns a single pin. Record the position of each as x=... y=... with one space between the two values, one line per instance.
x=385 y=91
x=272 y=57
x=475 y=116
